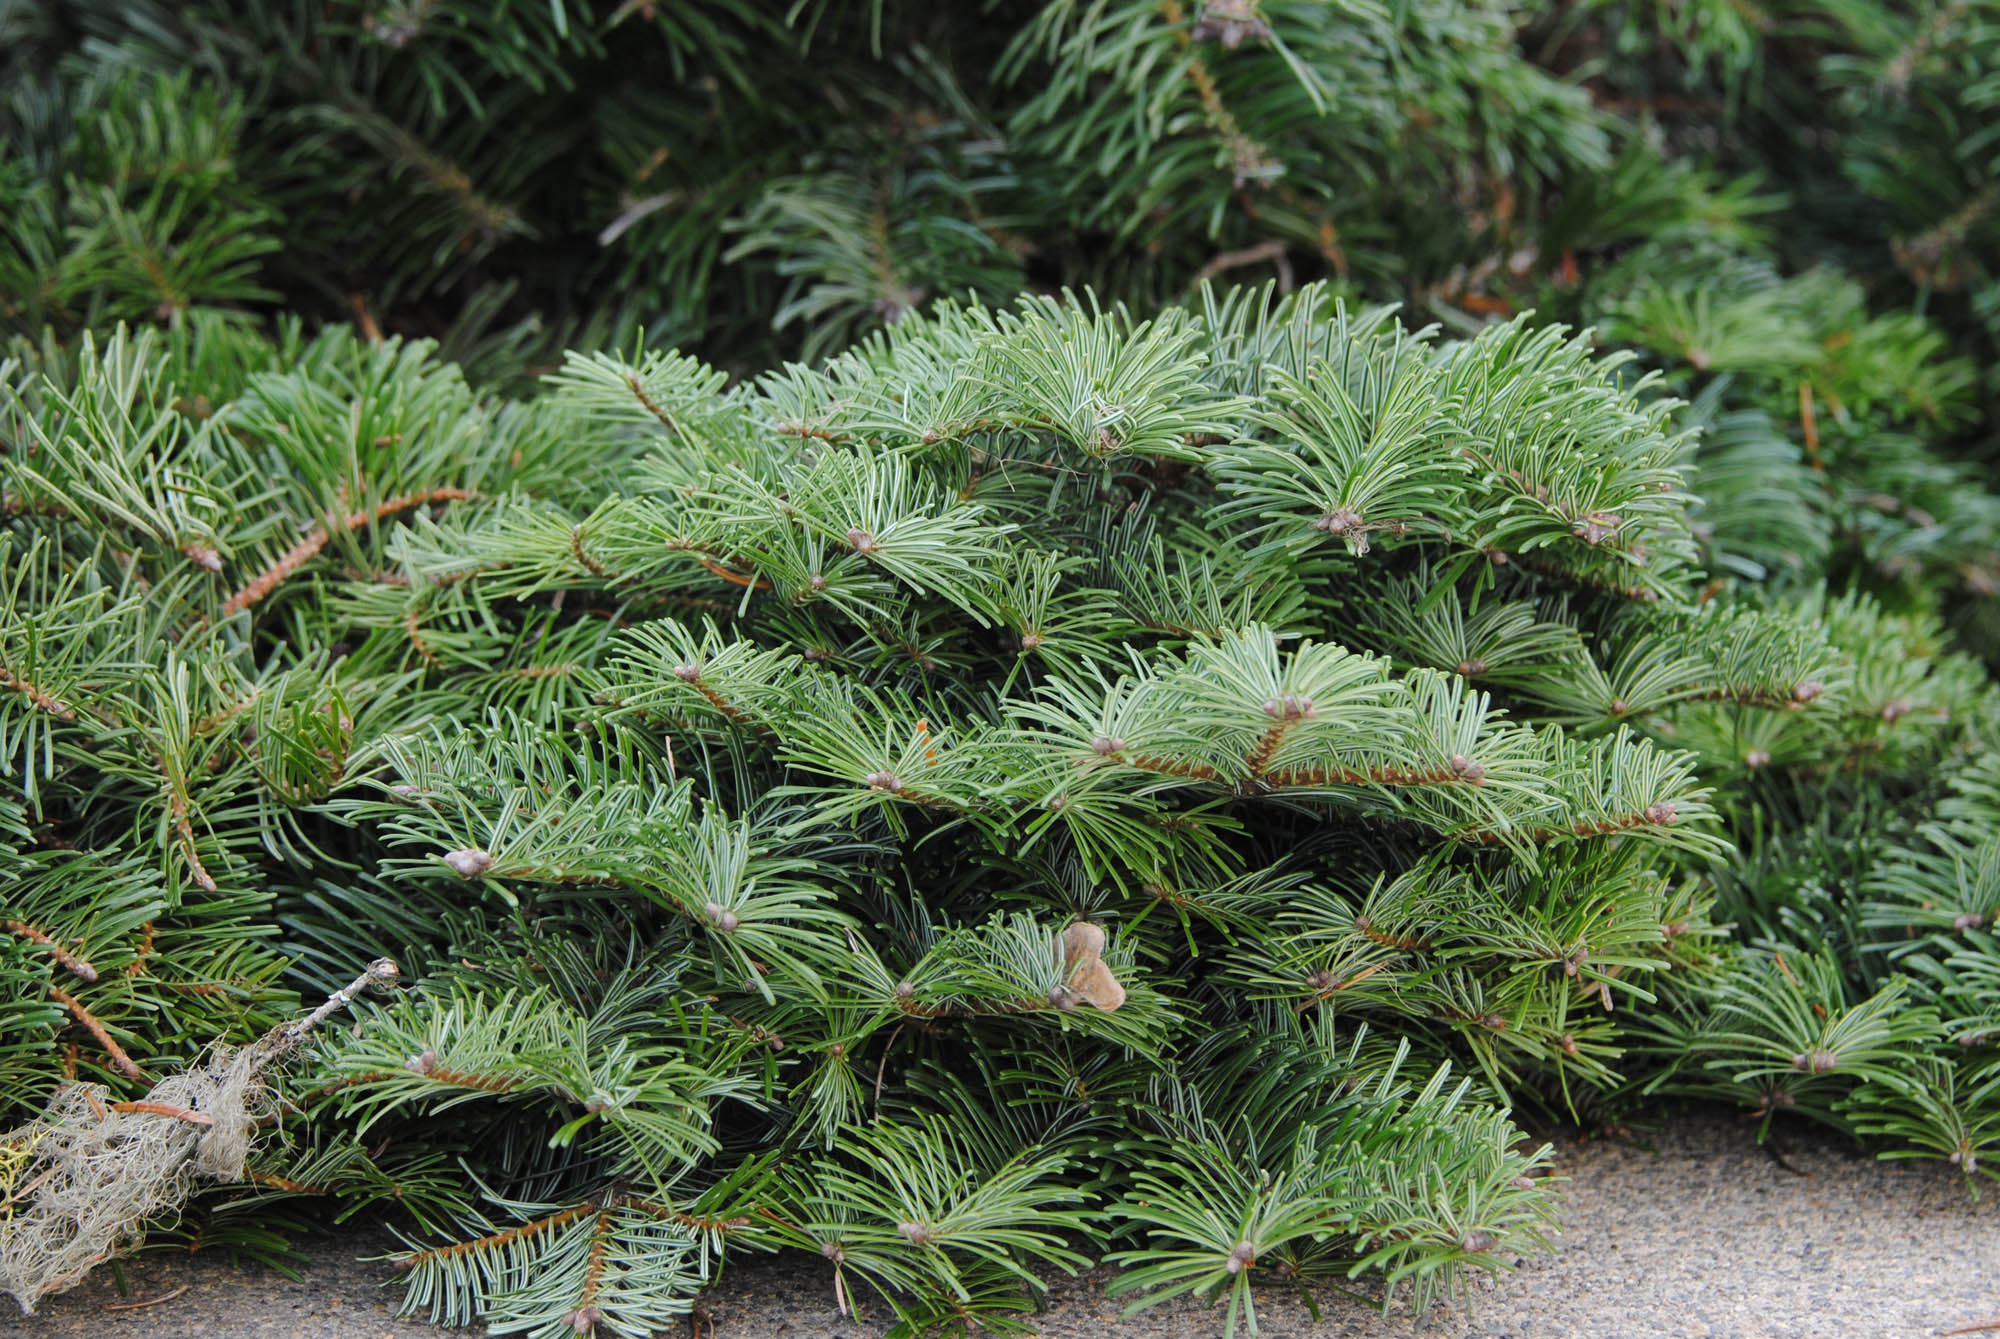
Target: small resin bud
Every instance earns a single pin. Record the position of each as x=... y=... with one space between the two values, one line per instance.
x=1663 y=812
x=833 y=1251
x=1063 y=998
x=904 y=990
x=1620 y=707
x=687 y=673
x=1567 y=1044
x=883 y=781
x=1339 y=521
x=1467 y=770
x=422 y=1063
x=1598 y=526
x=1240 y=1259
x=1230 y=23
x=1816 y=1062
x=585 y=1319
x=721 y=917
x=1493 y=1021
x=914 y=1233
x=1970 y=920
x=1524 y=1183
x=1057 y=804
x=816 y=583
x=1807 y=690
x=1676 y=929
x=1756 y=758
x=469 y=863
x=1030 y=640
x=1106 y=745
x=1895 y=711
x=1479 y=1239
x=1471 y=666
x=861 y=541
x=1323 y=981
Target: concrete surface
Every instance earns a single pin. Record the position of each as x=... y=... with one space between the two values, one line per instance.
x=1686 y=1229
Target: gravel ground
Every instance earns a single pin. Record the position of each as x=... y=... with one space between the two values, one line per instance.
x=1687 y=1229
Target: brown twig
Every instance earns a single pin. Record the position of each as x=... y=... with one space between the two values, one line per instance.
x=697 y=1222
x=177 y=807
x=38 y=699
x=691 y=676
x=1658 y=815
x=143 y=952
x=1192 y=771
x=1272 y=250
x=652 y=406
x=1407 y=943
x=306 y=549
x=216 y=720
x=540 y=671
x=364 y=318
x=1245 y=153
x=1809 y=425
x=511 y=1235
x=188 y=1114
x=413 y=630
x=584 y=560
x=150 y=1301
x=77 y=966
x=750 y=579
x=124 y=1062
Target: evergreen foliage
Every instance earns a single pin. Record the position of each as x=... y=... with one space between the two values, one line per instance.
x=1082 y=761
